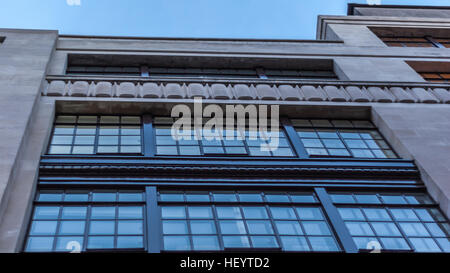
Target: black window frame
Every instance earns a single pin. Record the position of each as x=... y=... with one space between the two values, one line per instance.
x=148 y=143
x=152 y=204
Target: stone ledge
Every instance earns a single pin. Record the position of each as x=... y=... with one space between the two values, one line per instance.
x=270 y=91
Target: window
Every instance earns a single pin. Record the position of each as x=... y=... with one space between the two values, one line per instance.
x=297 y=138
x=246 y=219
x=240 y=144
x=104 y=70
x=280 y=219
x=442 y=77
x=185 y=72
x=88 y=135
x=87 y=220
x=395 y=221
x=426 y=41
x=341 y=138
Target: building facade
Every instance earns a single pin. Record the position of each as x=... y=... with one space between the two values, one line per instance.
x=363 y=158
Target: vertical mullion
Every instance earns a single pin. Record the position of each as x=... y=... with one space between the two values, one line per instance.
x=293 y=138
x=434 y=42
x=153 y=221
x=336 y=221
x=149 y=139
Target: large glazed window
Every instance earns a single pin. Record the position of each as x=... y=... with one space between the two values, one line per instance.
x=296 y=138
x=87 y=220
x=295 y=219
x=224 y=220
x=87 y=135
x=186 y=72
x=240 y=143
x=341 y=138
x=395 y=221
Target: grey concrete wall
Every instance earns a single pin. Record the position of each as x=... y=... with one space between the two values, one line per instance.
x=24 y=57
x=422 y=133
x=402 y=12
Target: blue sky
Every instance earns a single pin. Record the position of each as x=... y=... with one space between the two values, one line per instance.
x=271 y=19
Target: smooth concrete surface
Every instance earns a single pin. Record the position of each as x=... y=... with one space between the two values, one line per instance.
x=421 y=132
x=24 y=57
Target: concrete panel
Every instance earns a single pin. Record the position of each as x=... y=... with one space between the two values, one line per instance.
x=420 y=132
x=24 y=59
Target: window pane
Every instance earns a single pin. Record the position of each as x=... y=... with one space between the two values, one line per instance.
x=250 y=197
x=130 y=242
x=236 y=241
x=172 y=196
x=104 y=197
x=404 y=215
x=203 y=227
x=414 y=229
x=351 y=214
x=255 y=212
x=130 y=227
x=72 y=227
x=294 y=243
x=76 y=196
x=176 y=243
x=200 y=212
x=386 y=229
x=316 y=228
x=197 y=196
x=264 y=241
x=366 y=242
x=130 y=212
x=74 y=212
x=289 y=228
x=130 y=196
x=342 y=198
x=103 y=213
x=359 y=229
x=424 y=245
x=394 y=243
x=69 y=243
x=225 y=197
x=229 y=212
x=39 y=244
x=309 y=213
x=43 y=228
x=173 y=212
x=376 y=214
x=175 y=227
x=101 y=227
x=46 y=212
x=367 y=199
x=205 y=242
x=50 y=196
x=283 y=213
x=302 y=198
x=393 y=199
x=259 y=227
x=232 y=227
x=323 y=244
x=100 y=242
x=277 y=198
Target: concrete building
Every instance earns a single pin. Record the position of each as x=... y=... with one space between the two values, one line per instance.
x=364 y=158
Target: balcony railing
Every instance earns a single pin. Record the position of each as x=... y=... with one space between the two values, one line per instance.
x=273 y=90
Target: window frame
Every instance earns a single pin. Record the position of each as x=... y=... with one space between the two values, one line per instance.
x=153 y=235
x=148 y=143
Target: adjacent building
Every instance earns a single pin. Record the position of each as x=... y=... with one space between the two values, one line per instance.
x=363 y=160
